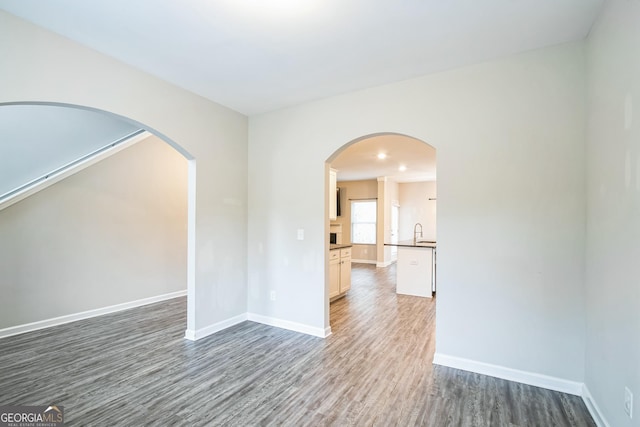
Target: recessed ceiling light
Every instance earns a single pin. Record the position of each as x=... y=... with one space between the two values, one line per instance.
x=402 y=168
x=382 y=156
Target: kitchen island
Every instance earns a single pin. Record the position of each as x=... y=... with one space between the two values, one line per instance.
x=416 y=268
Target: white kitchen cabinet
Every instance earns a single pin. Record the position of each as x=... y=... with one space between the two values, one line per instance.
x=334 y=273
x=339 y=272
x=333 y=188
x=345 y=270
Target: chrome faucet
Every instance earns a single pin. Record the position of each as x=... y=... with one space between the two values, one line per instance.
x=415 y=232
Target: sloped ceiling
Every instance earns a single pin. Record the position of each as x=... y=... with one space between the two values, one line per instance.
x=37 y=139
x=261 y=55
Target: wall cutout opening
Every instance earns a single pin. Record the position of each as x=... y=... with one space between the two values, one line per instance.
x=113 y=230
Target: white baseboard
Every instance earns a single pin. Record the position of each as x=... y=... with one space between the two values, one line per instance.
x=593 y=408
x=362 y=261
x=292 y=326
x=197 y=334
x=41 y=324
x=524 y=377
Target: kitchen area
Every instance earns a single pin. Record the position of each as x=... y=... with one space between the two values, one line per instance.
x=339 y=252
x=382 y=221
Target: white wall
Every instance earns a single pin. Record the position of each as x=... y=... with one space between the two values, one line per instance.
x=415 y=206
x=42 y=66
x=511 y=220
x=613 y=211
x=112 y=233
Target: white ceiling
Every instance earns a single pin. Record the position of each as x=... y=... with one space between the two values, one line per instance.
x=360 y=160
x=260 y=55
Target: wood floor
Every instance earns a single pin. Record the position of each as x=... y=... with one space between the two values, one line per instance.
x=134 y=368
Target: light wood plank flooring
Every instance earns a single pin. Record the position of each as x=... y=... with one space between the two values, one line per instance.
x=134 y=368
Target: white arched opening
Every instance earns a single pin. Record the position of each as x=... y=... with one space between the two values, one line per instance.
x=191 y=178
x=364 y=164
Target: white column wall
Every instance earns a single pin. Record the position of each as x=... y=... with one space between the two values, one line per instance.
x=613 y=212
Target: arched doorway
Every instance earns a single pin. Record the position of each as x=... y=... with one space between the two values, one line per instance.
x=190 y=191
x=367 y=173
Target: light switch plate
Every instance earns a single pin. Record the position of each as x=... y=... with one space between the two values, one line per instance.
x=300 y=233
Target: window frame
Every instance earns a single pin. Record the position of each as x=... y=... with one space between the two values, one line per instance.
x=374 y=223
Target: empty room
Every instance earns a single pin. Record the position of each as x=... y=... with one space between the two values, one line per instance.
x=224 y=213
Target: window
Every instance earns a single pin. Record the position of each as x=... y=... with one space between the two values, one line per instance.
x=363 y=222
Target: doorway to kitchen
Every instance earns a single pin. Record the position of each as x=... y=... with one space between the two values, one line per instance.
x=384 y=184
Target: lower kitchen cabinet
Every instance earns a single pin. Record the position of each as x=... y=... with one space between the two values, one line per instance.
x=339 y=272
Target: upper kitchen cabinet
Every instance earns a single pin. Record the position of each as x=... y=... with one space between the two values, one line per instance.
x=333 y=202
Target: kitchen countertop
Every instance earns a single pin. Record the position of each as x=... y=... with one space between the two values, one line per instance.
x=411 y=244
x=333 y=246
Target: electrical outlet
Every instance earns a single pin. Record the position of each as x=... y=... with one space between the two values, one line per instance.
x=300 y=233
x=272 y=295
x=628 y=402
